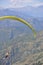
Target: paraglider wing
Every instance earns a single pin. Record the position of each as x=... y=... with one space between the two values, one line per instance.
x=20 y=20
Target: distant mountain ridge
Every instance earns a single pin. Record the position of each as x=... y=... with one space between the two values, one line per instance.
x=28 y=11
x=34 y=15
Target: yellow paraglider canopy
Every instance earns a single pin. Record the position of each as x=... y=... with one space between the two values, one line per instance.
x=20 y=20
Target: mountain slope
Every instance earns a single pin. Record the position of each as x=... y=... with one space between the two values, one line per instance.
x=25 y=50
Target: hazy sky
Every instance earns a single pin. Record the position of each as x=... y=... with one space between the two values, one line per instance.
x=20 y=3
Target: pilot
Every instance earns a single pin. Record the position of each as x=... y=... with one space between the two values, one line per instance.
x=7 y=55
